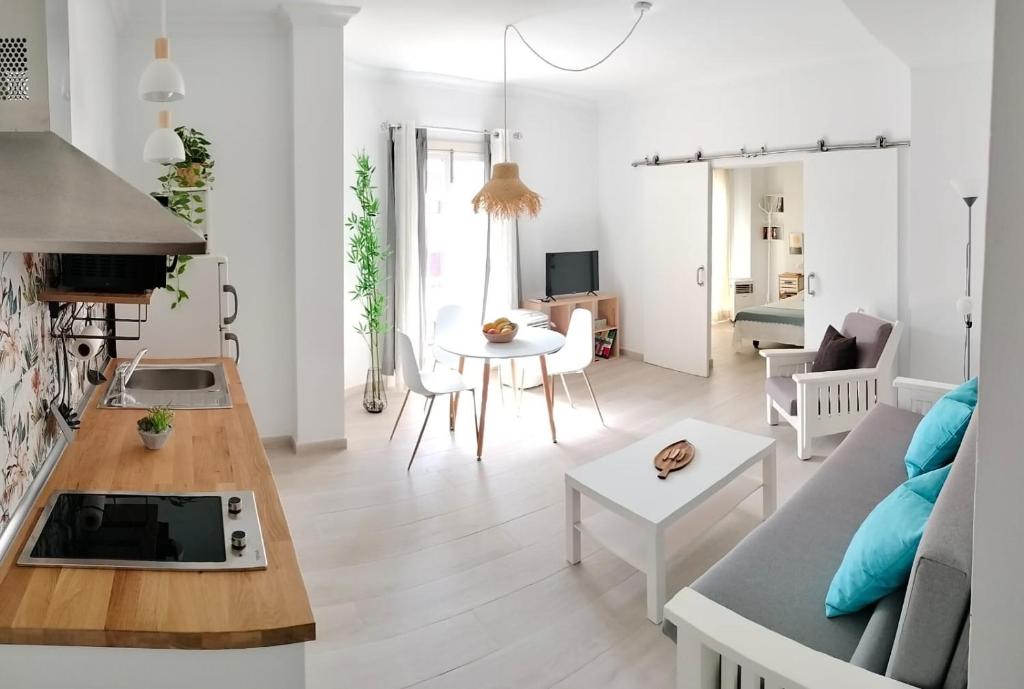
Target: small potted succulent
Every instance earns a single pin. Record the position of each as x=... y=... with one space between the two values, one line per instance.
x=155 y=427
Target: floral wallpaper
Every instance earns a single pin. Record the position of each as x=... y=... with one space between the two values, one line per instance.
x=28 y=376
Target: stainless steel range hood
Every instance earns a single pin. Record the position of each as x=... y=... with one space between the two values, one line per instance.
x=53 y=197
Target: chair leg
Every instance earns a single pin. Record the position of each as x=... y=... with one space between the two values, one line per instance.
x=773 y=415
x=401 y=409
x=803 y=442
x=430 y=408
x=476 y=424
x=566 y=388
x=425 y=399
x=451 y=412
x=593 y=397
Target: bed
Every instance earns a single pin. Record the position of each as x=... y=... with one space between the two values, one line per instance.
x=778 y=321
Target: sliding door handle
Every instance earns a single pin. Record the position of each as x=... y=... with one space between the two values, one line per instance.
x=700 y=276
x=811 y=277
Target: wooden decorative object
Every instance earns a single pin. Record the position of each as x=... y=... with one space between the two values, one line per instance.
x=673 y=457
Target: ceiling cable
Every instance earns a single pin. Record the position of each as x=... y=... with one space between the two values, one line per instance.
x=643 y=7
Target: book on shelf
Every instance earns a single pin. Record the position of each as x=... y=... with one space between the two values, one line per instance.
x=604 y=344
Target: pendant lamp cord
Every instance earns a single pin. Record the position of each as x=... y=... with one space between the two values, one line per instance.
x=504 y=80
x=512 y=27
x=643 y=11
x=163 y=18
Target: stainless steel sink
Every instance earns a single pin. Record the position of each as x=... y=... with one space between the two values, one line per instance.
x=178 y=386
x=178 y=378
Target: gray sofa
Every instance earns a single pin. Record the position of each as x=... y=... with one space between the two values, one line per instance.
x=778 y=575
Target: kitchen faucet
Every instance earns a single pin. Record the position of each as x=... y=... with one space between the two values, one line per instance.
x=122 y=374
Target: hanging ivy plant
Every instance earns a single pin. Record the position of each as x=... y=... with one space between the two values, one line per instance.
x=181 y=183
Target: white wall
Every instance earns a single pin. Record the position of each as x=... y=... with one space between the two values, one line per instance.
x=239 y=94
x=93 y=79
x=950 y=106
x=854 y=100
x=997 y=606
x=557 y=157
x=740 y=196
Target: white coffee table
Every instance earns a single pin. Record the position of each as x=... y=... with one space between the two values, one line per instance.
x=641 y=508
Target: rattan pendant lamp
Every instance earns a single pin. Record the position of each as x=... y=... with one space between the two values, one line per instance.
x=505 y=195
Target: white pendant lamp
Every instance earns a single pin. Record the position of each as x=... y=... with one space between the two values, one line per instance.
x=164 y=145
x=162 y=82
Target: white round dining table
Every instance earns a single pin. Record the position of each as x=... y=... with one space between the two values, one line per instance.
x=529 y=342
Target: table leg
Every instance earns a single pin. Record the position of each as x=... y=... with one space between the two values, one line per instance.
x=515 y=396
x=549 y=395
x=770 y=481
x=483 y=410
x=656 y=577
x=572 y=520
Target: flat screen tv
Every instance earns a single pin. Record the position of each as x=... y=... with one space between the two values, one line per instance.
x=571 y=272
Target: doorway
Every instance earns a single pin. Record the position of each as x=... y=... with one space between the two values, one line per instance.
x=757 y=261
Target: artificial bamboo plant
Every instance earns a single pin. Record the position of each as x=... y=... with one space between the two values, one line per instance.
x=367 y=255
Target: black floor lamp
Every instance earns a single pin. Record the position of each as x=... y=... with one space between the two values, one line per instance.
x=969 y=191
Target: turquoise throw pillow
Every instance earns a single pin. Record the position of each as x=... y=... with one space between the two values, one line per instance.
x=938 y=436
x=881 y=553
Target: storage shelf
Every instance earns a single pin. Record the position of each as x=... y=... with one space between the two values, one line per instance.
x=65 y=297
x=601 y=306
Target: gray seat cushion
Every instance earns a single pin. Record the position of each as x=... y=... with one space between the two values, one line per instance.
x=939 y=590
x=779 y=574
x=872 y=333
x=782 y=389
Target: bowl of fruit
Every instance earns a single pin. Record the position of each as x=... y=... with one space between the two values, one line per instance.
x=500 y=330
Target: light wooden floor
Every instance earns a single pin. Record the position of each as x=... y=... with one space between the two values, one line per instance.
x=454 y=575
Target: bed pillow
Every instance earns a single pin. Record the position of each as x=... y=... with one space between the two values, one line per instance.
x=881 y=552
x=836 y=353
x=938 y=436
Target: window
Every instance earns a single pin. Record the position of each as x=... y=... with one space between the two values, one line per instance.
x=456 y=236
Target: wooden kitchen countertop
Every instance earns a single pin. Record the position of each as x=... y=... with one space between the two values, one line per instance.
x=210 y=450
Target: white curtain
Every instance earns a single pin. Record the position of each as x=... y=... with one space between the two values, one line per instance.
x=503 y=286
x=410 y=245
x=721 y=247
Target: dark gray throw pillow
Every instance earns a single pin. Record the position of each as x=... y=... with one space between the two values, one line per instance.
x=836 y=353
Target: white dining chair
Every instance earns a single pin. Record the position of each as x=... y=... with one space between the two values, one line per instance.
x=576 y=355
x=451 y=318
x=429 y=384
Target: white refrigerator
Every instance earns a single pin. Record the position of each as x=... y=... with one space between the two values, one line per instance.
x=199 y=326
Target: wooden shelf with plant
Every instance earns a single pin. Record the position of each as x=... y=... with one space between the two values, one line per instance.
x=184 y=189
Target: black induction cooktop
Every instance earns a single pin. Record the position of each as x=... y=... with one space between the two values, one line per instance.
x=187 y=531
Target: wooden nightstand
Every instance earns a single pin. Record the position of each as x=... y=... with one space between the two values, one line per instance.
x=790 y=284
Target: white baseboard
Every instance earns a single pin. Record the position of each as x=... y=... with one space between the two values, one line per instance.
x=336 y=445
x=277 y=442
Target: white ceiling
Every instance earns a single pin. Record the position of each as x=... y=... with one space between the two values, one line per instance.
x=680 y=41
x=922 y=32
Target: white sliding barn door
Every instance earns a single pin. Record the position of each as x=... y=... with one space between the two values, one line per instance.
x=676 y=232
x=851 y=217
